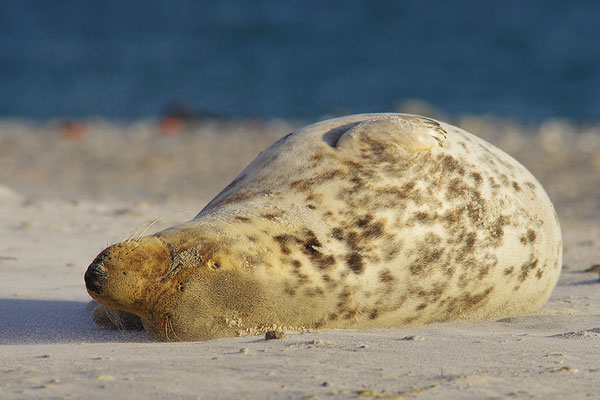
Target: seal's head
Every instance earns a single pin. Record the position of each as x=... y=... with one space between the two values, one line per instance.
x=125 y=275
x=180 y=294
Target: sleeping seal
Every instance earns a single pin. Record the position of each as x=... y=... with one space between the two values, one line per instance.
x=364 y=221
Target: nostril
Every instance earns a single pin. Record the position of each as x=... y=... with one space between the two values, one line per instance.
x=97 y=269
x=95 y=277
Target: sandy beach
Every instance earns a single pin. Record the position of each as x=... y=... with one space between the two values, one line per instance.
x=67 y=191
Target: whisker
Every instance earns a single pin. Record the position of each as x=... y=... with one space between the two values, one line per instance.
x=166 y=328
x=115 y=317
x=143 y=228
x=150 y=225
x=134 y=234
x=172 y=330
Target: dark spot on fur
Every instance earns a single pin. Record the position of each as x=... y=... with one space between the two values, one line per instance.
x=236 y=197
x=352 y=240
x=406 y=189
x=504 y=180
x=337 y=234
x=355 y=262
x=353 y=166
x=539 y=274
x=289 y=290
x=516 y=186
x=530 y=185
x=343 y=297
x=364 y=221
x=303 y=279
x=310 y=246
x=270 y=216
x=283 y=241
x=493 y=183
x=468 y=246
x=369 y=228
x=423 y=217
x=476 y=299
x=470 y=241
x=242 y=219
x=452 y=217
x=428 y=254
x=497 y=228
x=386 y=276
x=329 y=280
x=325 y=262
x=312 y=239
x=463 y=280
x=357 y=181
x=475 y=206
x=433 y=255
x=529 y=237
x=451 y=164
x=317 y=291
x=456 y=188
x=304 y=185
x=374 y=230
x=350 y=314
x=477 y=178
x=526 y=268
x=509 y=271
x=483 y=271
x=317 y=156
x=465 y=302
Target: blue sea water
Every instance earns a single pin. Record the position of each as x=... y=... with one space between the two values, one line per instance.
x=527 y=60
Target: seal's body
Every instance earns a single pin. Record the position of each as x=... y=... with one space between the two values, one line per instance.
x=373 y=220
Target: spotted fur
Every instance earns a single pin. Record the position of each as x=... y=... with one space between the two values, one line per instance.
x=373 y=220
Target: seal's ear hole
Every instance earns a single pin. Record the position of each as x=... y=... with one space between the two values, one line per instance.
x=124 y=273
x=181 y=287
x=212 y=264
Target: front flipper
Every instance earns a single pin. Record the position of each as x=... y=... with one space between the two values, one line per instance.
x=111 y=318
x=407 y=133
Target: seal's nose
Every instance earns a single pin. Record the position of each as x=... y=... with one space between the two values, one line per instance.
x=95 y=277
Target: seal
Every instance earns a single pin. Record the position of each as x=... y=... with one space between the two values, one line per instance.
x=364 y=221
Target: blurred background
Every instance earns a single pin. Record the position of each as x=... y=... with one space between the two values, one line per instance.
x=128 y=60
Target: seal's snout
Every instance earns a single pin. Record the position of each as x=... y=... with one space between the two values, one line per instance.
x=95 y=277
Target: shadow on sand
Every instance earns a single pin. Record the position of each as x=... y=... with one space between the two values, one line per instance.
x=48 y=321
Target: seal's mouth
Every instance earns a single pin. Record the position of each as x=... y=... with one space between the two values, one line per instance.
x=95 y=277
